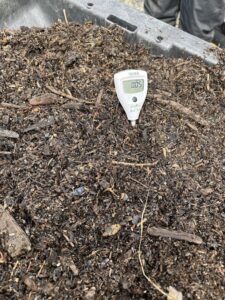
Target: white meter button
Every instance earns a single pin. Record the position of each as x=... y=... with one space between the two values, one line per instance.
x=131 y=89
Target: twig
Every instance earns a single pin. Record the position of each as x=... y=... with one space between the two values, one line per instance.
x=5 y=153
x=64 y=95
x=40 y=270
x=208 y=82
x=155 y=285
x=10 y=105
x=68 y=240
x=182 y=63
x=14 y=268
x=184 y=110
x=122 y=163
x=95 y=252
x=178 y=235
x=142 y=184
x=65 y=17
x=193 y=127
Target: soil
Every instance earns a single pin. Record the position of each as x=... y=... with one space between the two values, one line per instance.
x=62 y=182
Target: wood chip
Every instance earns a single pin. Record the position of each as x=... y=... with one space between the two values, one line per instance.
x=99 y=98
x=5 y=119
x=68 y=262
x=16 y=241
x=2 y=259
x=45 y=99
x=178 y=235
x=30 y=283
x=72 y=105
x=74 y=269
x=174 y=294
x=41 y=124
x=4 y=133
x=90 y=294
x=112 y=230
x=206 y=191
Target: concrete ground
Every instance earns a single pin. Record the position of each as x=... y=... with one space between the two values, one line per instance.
x=138 y=4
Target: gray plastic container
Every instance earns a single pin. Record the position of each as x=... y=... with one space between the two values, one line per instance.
x=138 y=27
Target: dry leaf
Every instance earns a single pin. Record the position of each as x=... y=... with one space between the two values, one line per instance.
x=44 y=99
x=206 y=191
x=174 y=294
x=112 y=230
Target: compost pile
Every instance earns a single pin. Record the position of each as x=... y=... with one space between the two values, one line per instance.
x=75 y=175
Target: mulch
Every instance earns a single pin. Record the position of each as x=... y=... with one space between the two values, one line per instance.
x=66 y=182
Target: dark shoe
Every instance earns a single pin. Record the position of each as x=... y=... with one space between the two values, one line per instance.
x=219 y=37
x=222 y=28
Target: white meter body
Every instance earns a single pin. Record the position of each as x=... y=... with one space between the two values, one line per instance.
x=131 y=89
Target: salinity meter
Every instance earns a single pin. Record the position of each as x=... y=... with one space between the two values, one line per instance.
x=131 y=89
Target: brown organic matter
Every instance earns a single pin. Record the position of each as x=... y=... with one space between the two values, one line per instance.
x=71 y=169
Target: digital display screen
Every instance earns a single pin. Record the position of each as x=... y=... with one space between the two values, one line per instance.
x=133 y=86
